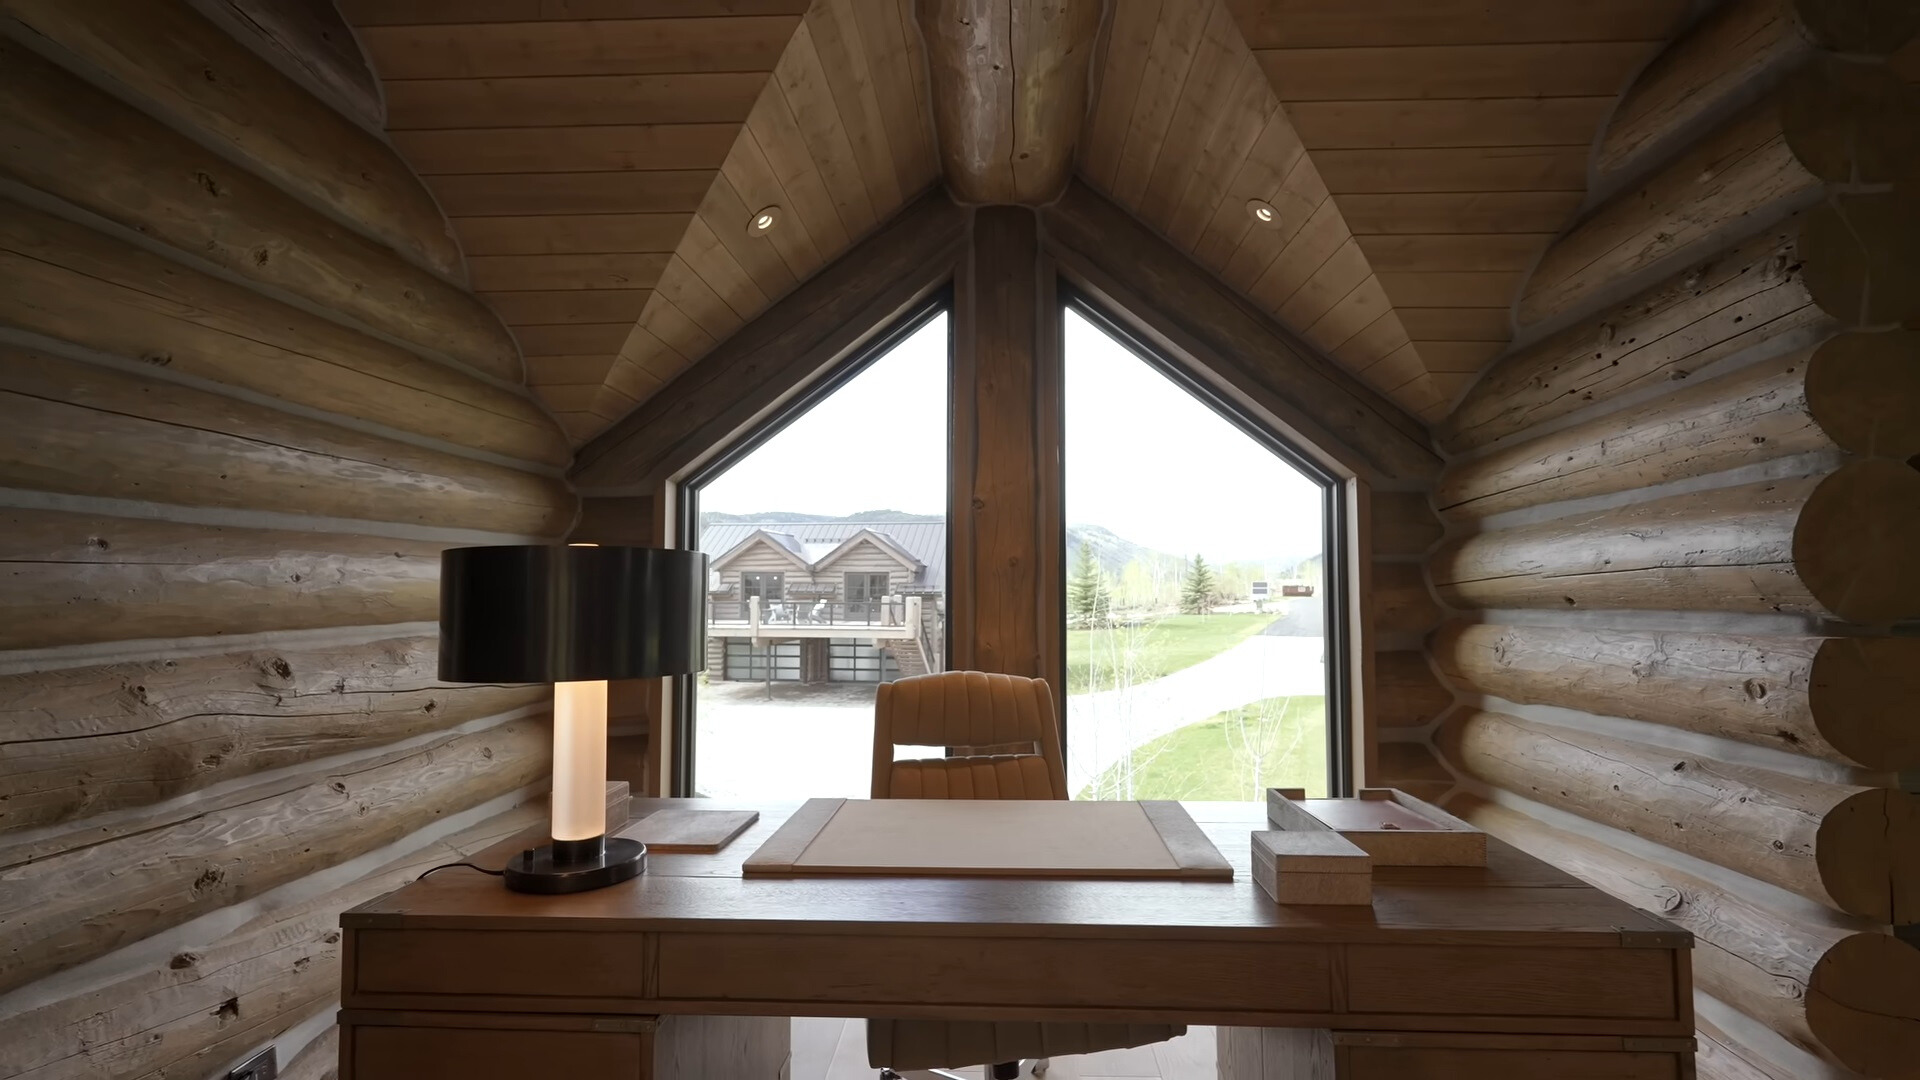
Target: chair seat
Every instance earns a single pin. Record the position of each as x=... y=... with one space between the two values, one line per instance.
x=951 y=1044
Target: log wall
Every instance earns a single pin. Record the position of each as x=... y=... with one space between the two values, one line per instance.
x=1678 y=573
x=245 y=401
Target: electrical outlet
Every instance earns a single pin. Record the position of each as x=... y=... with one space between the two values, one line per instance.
x=264 y=1065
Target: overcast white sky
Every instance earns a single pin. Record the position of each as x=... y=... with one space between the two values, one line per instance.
x=1143 y=457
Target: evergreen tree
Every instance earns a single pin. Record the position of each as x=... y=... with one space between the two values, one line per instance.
x=1089 y=599
x=1196 y=596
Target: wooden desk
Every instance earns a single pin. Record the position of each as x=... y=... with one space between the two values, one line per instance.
x=1453 y=962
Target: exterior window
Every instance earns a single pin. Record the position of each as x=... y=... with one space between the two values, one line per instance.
x=1197 y=608
x=865 y=593
x=833 y=518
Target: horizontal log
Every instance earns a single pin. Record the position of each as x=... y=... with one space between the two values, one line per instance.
x=315 y=43
x=1837 y=545
x=1848 y=700
x=1732 y=48
x=1862 y=258
x=1710 y=311
x=1721 y=1057
x=192 y=72
x=83 y=740
x=1250 y=355
x=85 y=429
x=71 y=579
x=1776 y=968
x=1855 y=849
x=1406 y=693
x=68 y=908
x=1399 y=601
x=75 y=284
x=78 y=143
x=192 y=1013
x=1858 y=393
x=1403 y=524
x=1832 y=122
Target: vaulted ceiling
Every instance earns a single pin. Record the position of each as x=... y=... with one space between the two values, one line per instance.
x=601 y=160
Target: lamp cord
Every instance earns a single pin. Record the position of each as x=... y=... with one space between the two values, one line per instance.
x=468 y=865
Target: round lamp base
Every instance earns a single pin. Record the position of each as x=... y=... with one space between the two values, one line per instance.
x=537 y=871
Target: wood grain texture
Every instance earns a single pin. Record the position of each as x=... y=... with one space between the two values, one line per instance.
x=793 y=342
x=86 y=429
x=1091 y=236
x=1009 y=86
x=1452 y=138
x=117 y=892
x=77 y=143
x=220 y=997
x=1847 y=847
x=1814 y=545
x=309 y=39
x=1838 y=699
x=75 y=578
x=78 y=741
x=1772 y=966
x=191 y=71
x=1830 y=122
x=1711 y=310
x=75 y=284
x=998 y=472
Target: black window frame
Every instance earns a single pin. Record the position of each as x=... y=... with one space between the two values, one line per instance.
x=1335 y=527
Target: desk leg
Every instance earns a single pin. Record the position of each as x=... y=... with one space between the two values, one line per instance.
x=709 y=1047
x=1276 y=1054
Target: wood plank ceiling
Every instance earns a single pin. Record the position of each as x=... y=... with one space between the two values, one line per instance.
x=1419 y=153
x=1452 y=136
x=601 y=165
x=600 y=160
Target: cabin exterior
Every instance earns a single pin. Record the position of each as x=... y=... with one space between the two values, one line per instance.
x=826 y=602
x=1603 y=319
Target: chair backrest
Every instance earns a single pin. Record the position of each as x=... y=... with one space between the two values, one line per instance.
x=1000 y=732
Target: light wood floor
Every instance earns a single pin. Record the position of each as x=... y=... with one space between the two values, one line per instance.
x=837 y=1050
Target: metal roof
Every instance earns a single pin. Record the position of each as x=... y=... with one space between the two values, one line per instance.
x=923 y=538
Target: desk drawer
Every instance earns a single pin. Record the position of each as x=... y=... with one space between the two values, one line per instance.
x=991 y=971
x=1438 y=980
x=519 y=963
x=1305 y=1054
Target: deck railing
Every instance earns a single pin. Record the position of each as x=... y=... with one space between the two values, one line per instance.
x=804 y=616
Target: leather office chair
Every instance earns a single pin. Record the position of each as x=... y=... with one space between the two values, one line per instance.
x=1002 y=741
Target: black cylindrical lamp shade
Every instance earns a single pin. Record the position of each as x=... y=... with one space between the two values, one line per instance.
x=551 y=613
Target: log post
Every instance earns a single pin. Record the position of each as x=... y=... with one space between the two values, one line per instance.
x=1855 y=849
x=1009 y=92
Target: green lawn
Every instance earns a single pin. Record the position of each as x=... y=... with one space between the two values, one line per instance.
x=1211 y=760
x=1095 y=658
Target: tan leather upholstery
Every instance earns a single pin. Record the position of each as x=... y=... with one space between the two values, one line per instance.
x=1003 y=738
x=968 y=709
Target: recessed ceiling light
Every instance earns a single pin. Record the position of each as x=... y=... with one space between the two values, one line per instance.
x=1263 y=212
x=763 y=220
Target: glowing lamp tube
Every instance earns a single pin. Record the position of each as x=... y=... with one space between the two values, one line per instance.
x=579 y=760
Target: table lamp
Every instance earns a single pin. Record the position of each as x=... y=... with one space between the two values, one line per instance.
x=574 y=616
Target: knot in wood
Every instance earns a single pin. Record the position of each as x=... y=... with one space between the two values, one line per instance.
x=1669 y=898
x=1755 y=689
x=183 y=960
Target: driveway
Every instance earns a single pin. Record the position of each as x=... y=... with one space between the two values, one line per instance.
x=1106 y=725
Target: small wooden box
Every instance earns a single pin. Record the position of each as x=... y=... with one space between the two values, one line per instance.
x=1312 y=868
x=1392 y=826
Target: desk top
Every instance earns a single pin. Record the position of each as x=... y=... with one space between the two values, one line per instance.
x=1514 y=900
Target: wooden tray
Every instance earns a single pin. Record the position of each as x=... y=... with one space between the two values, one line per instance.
x=990 y=838
x=675 y=831
x=1386 y=823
